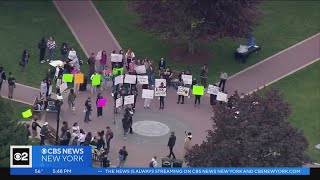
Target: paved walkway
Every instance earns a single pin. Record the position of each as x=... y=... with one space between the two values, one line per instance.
x=93 y=35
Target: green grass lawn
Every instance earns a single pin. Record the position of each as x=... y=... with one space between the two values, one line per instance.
x=283 y=24
x=17 y=109
x=303 y=94
x=23 y=23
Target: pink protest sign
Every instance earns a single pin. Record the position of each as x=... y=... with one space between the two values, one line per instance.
x=74 y=71
x=102 y=102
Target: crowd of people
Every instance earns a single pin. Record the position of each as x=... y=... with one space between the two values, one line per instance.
x=98 y=64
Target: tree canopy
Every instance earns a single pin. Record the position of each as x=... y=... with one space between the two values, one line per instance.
x=11 y=132
x=253 y=133
x=193 y=20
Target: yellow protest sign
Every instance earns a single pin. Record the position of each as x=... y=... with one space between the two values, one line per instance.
x=198 y=90
x=79 y=78
x=26 y=114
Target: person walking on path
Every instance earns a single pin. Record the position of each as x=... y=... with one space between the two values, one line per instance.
x=123 y=154
x=153 y=163
x=87 y=110
x=147 y=101
x=43 y=88
x=42 y=48
x=171 y=143
x=11 y=84
x=99 y=109
x=71 y=100
x=109 y=136
x=24 y=60
x=51 y=44
x=43 y=133
x=161 y=97
x=204 y=75
x=223 y=79
x=2 y=77
x=187 y=143
x=34 y=126
x=126 y=126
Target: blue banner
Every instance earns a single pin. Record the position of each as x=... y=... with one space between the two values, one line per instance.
x=160 y=171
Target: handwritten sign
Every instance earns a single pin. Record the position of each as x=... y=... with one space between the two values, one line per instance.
x=213 y=89
x=183 y=91
x=159 y=81
x=222 y=97
x=116 y=57
x=147 y=94
x=118 y=80
x=119 y=102
x=128 y=100
x=160 y=92
x=143 y=79
x=140 y=69
x=130 y=79
x=187 y=79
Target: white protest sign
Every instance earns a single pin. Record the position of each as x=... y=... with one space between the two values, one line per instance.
x=160 y=92
x=116 y=57
x=55 y=63
x=183 y=91
x=118 y=80
x=147 y=94
x=98 y=56
x=187 y=79
x=213 y=89
x=63 y=87
x=222 y=97
x=159 y=81
x=128 y=100
x=119 y=102
x=130 y=79
x=140 y=69
x=142 y=79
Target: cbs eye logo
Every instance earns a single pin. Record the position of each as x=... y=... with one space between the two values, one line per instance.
x=20 y=156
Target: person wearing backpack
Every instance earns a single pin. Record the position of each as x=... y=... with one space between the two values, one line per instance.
x=109 y=136
x=34 y=126
x=153 y=163
x=2 y=77
x=123 y=154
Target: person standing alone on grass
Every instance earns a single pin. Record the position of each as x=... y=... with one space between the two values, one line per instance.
x=24 y=60
x=51 y=44
x=171 y=143
x=64 y=51
x=223 y=79
x=2 y=77
x=123 y=154
x=204 y=75
x=11 y=84
x=109 y=136
x=71 y=100
x=42 y=47
x=87 y=110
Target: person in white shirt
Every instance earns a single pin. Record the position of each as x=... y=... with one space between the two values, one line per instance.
x=72 y=54
x=82 y=137
x=129 y=56
x=51 y=44
x=153 y=162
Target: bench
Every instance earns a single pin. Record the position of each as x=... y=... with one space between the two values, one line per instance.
x=243 y=56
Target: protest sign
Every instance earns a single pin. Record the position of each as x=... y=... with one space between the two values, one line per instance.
x=130 y=79
x=27 y=113
x=115 y=71
x=187 y=79
x=222 y=97
x=147 y=94
x=128 y=100
x=119 y=102
x=67 y=77
x=56 y=63
x=118 y=80
x=159 y=81
x=96 y=80
x=79 y=78
x=183 y=91
x=198 y=90
x=102 y=102
x=213 y=89
x=116 y=57
x=142 y=79
x=140 y=69
x=160 y=92
x=63 y=87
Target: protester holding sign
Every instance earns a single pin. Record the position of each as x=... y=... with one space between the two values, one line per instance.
x=99 y=108
x=147 y=101
x=213 y=95
x=167 y=74
x=95 y=78
x=134 y=91
x=129 y=56
x=181 y=83
x=198 y=91
x=106 y=75
x=123 y=57
x=162 y=97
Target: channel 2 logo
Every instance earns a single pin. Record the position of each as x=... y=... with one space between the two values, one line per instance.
x=20 y=156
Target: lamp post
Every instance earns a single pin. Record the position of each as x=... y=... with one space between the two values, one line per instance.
x=58 y=105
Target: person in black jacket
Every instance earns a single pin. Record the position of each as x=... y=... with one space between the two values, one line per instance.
x=88 y=109
x=171 y=143
x=64 y=51
x=126 y=124
x=24 y=60
x=2 y=77
x=42 y=47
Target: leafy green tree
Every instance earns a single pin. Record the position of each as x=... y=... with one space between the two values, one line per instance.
x=254 y=133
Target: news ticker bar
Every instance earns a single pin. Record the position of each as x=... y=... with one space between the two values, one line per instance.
x=160 y=171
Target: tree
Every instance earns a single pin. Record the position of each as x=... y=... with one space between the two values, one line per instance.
x=11 y=132
x=254 y=133
x=195 y=20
